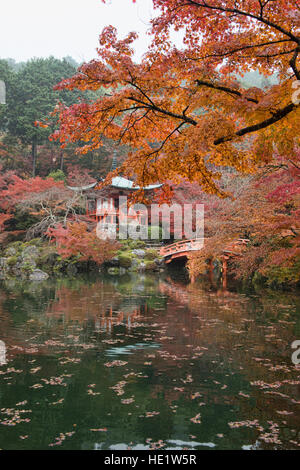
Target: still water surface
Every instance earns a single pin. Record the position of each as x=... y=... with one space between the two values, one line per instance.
x=144 y=362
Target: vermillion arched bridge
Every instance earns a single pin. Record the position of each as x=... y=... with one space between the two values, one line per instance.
x=181 y=249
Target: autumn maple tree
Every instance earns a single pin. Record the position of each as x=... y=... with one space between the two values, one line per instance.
x=265 y=210
x=40 y=202
x=48 y=208
x=75 y=239
x=183 y=111
x=26 y=200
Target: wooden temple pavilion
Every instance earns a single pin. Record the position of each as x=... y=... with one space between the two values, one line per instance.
x=103 y=203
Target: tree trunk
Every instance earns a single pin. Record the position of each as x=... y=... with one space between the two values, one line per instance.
x=211 y=273
x=224 y=273
x=34 y=155
x=62 y=161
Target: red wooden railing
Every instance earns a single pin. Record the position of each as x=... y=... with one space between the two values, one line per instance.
x=182 y=246
x=235 y=248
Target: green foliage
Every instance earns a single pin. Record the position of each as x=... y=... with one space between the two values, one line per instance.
x=30 y=96
x=12 y=260
x=49 y=257
x=150 y=266
x=283 y=275
x=139 y=244
x=123 y=247
x=27 y=267
x=22 y=221
x=125 y=260
x=34 y=241
x=130 y=244
x=57 y=175
x=151 y=254
x=17 y=245
x=7 y=75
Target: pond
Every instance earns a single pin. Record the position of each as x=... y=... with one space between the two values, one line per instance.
x=142 y=362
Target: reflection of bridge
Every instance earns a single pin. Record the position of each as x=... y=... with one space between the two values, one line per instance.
x=181 y=249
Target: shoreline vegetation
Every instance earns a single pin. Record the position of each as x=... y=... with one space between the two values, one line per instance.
x=36 y=260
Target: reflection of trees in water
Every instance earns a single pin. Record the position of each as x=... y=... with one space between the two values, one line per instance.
x=12 y=340
x=205 y=334
x=5 y=320
x=105 y=303
x=227 y=319
x=57 y=304
x=113 y=301
x=247 y=338
x=24 y=298
x=84 y=303
x=100 y=304
x=2 y=353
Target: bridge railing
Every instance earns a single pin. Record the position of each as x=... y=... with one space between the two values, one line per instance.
x=236 y=247
x=183 y=245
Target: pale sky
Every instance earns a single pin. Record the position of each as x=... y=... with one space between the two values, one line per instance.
x=40 y=28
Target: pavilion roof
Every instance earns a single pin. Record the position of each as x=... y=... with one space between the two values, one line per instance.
x=117 y=182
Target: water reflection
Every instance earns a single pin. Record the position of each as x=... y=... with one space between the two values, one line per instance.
x=148 y=362
x=2 y=353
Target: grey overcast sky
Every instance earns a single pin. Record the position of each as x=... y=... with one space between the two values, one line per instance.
x=40 y=28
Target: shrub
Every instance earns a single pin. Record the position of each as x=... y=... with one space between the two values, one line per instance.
x=151 y=266
x=130 y=244
x=27 y=267
x=125 y=260
x=151 y=254
x=12 y=260
x=123 y=247
x=57 y=175
x=136 y=244
x=76 y=240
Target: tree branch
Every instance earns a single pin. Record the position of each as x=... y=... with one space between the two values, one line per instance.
x=225 y=89
x=239 y=49
x=154 y=107
x=293 y=63
x=243 y=13
x=277 y=116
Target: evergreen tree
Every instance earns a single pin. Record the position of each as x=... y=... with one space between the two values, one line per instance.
x=31 y=98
